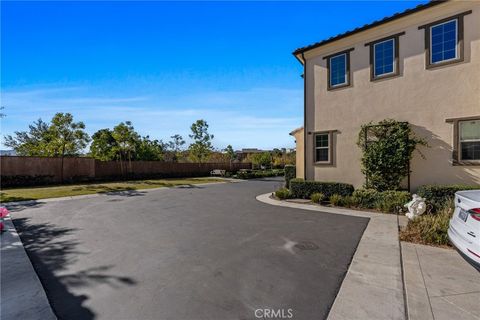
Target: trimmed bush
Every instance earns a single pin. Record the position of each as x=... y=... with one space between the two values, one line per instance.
x=290 y=173
x=317 y=197
x=304 y=188
x=283 y=193
x=336 y=200
x=439 y=196
x=365 y=198
x=254 y=174
x=392 y=201
x=428 y=228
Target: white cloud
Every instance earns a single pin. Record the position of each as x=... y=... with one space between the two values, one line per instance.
x=260 y=117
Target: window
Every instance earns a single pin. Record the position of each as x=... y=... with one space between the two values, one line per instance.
x=322 y=147
x=384 y=61
x=443 y=41
x=338 y=66
x=338 y=70
x=469 y=134
x=384 y=57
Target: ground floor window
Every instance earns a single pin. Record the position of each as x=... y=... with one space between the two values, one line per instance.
x=469 y=136
x=323 y=147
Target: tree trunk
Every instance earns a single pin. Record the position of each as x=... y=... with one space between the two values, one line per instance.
x=63 y=156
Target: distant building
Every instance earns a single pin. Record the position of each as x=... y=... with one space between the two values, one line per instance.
x=299 y=157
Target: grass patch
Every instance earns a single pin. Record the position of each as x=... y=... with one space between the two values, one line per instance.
x=36 y=193
x=430 y=229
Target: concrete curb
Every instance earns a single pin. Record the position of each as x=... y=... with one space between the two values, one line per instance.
x=94 y=195
x=373 y=285
x=23 y=296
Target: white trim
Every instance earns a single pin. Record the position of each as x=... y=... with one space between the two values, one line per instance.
x=346 y=71
x=393 y=60
x=456 y=41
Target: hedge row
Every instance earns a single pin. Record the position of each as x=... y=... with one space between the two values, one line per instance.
x=304 y=188
x=440 y=196
x=253 y=174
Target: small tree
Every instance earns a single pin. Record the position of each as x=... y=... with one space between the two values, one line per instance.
x=104 y=146
x=387 y=150
x=149 y=150
x=33 y=143
x=126 y=139
x=200 y=149
x=176 y=146
x=67 y=138
x=261 y=159
x=230 y=153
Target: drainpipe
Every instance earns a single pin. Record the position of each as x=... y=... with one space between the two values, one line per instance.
x=304 y=117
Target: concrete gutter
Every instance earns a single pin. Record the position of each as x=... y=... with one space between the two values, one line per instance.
x=22 y=294
x=373 y=286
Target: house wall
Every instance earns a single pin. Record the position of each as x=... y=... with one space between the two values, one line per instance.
x=423 y=97
x=300 y=153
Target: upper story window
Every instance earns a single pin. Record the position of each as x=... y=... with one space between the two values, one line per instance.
x=444 y=41
x=469 y=140
x=338 y=70
x=338 y=66
x=384 y=61
x=384 y=58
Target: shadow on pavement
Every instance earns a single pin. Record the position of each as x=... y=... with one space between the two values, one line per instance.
x=51 y=255
x=17 y=207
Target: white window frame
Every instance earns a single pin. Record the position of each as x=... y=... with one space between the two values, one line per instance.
x=468 y=140
x=393 y=56
x=346 y=70
x=327 y=147
x=456 y=41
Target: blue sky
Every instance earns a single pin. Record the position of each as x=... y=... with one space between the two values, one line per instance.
x=162 y=65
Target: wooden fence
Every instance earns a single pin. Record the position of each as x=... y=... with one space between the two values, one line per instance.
x=20 y=171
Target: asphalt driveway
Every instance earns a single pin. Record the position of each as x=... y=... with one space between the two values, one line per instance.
x=200 y=252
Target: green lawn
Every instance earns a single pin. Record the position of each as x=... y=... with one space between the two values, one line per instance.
x=35 y=193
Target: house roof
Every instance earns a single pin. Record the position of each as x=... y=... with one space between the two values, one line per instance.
x=374 y=24
x=295 y=131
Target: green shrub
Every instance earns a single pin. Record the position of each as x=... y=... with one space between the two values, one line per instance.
x=439 y=196
x=387 y=150
x=317 y=197
x=349 y=202
x=336 y=200
x=290 y=173
x=303 y=189
x=392 y=201
x=254 y=174
x=428 y=228
x=365 y=198
x=283 y=193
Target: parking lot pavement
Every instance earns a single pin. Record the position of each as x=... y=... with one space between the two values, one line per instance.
x=439 y=284
x=200 y=252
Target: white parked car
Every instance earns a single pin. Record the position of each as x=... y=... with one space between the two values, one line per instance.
x=464 y=230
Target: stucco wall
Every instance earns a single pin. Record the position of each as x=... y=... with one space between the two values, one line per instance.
x=300 y=153
x=424 y=98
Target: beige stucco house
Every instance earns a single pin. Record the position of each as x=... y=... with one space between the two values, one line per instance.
x=298 y=134
x=420 y=66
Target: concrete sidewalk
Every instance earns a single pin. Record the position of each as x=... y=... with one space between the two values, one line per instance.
x=22 y=294
x=439 y=284
x=373 y=286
